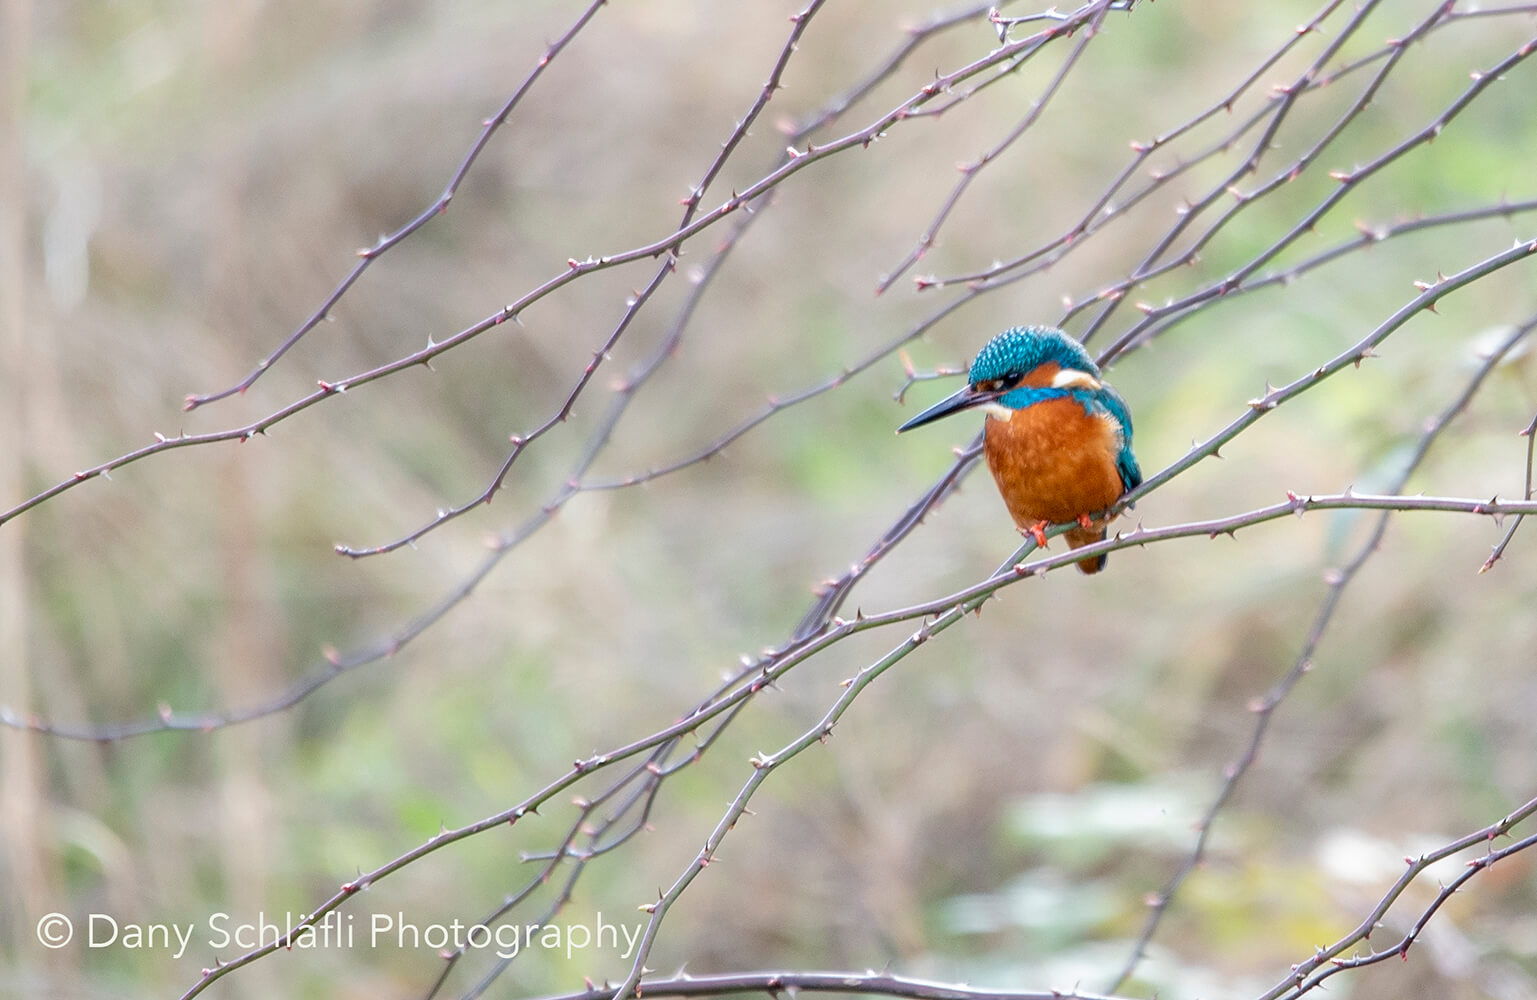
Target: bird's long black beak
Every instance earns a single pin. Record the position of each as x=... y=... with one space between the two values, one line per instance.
x=965 y=399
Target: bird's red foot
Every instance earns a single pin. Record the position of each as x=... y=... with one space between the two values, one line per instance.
x=1038 y=532
x=1085 y=522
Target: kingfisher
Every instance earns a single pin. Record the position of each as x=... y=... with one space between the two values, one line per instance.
x=1057 y=438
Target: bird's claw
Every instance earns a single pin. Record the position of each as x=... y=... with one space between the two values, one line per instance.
x=1038 y=532
x=1085 y=522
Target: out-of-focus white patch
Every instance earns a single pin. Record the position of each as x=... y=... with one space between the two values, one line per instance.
x=1487 y=343
x=67 y=232
x=998 y=411
x=1358 y=858
x=1106 y=816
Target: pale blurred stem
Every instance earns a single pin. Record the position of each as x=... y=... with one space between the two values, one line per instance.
x=1499 y=550
x=24 y=811
x=1264 y=707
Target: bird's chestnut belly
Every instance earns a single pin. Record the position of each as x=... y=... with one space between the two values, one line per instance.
x=1053 y=461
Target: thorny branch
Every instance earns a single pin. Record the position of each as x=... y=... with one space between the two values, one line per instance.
x=970 y=171
x=1264 y=707
x=575 y=269
x=368 y=255
x=636 y=771
x=934 y=617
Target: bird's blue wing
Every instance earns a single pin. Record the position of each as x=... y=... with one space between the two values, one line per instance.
x=1126 y=461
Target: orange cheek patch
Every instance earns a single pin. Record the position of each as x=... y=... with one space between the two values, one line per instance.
x=1042 y=375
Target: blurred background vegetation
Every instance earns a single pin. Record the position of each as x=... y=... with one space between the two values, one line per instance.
x=183 y=183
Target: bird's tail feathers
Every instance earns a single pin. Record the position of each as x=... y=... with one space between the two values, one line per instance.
x=1078 y=538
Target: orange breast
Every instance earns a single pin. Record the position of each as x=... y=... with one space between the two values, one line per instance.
x=1054 y=461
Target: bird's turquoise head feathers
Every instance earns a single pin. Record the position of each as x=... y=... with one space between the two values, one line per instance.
x=1016 y=352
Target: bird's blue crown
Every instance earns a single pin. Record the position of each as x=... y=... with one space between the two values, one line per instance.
x=1019 y=351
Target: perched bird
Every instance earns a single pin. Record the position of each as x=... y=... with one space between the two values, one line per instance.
x=1058 y=437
